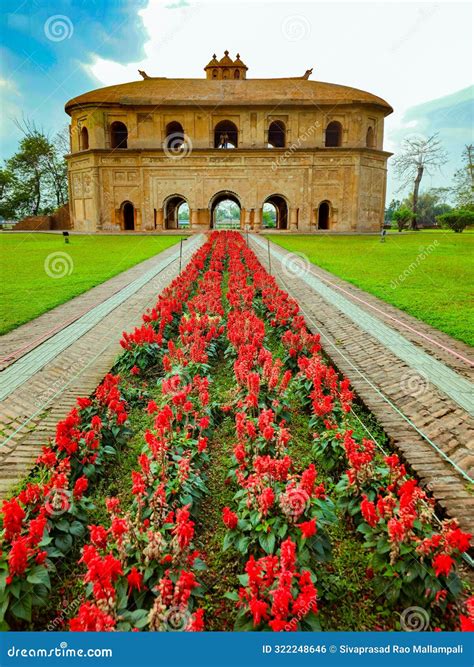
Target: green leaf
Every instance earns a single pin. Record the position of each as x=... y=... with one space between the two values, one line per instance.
x=3 y=581
x=39 y=575
x=243 y=579
x=243 y=623
x=22 y=608
x=243 y=543
x=267 y=542
x=312 y=621
x=138 y=616
x=4 y=606
x=454 y=584
x=232 y=595
x=64 y=543
x=77 y=529
x=62 y=524
x=228 y=540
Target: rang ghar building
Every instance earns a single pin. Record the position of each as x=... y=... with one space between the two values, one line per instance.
x=309 y=150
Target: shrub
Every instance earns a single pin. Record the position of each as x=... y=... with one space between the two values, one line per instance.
x=403 y=217
x=457 y=220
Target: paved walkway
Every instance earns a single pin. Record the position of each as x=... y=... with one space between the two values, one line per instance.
x=66 y=353
x=416 y=380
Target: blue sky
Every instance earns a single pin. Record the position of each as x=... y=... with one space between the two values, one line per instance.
x=42 y=73
x=410 y=53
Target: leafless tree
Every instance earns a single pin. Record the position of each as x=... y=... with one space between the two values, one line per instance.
x=418 y=155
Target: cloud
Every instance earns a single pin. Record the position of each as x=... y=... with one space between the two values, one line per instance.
x=163 y=26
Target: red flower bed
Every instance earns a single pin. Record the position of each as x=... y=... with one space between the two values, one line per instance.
x=140 y=567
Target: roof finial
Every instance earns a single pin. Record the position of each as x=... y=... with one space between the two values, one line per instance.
x=238 y=56
x=226 y=53
x=214 y=56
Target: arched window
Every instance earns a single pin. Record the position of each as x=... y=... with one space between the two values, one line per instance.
x=84 y=139
x=370 y=139
x=236 y=74
x=277 y=134
x=323 y=215
x=226 y=135
x=226 y=73
x=334 y=134
x=214 y=74
x=174 y=136
x=118 y=135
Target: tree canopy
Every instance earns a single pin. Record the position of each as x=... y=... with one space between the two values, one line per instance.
x=34 y=180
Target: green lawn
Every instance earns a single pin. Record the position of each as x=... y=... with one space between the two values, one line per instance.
x=435 y=286
x=28 y=290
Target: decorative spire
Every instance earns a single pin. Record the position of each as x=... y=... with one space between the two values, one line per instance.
x=226 y=68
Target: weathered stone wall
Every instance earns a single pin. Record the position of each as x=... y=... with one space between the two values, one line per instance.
x=60 y=219
x=350 y=178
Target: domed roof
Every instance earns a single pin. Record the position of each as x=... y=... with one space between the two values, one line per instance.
x=213 y=62
x=157 y=91
x=226 y=60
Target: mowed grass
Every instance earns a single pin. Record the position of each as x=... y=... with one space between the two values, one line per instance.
x=428 y=274
x=28 y=263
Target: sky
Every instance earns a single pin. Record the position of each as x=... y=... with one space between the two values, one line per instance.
x=409 y=53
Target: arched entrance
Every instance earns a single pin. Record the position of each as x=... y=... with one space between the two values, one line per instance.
x=275 y=212
x=128 y=213
x=175 y=209
x=323 y=215
x=225 y=211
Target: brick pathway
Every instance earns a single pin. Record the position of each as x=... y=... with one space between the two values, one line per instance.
x=421 y=394
x=32 y=408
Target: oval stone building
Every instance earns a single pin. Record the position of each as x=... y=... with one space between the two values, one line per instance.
x=313 y=150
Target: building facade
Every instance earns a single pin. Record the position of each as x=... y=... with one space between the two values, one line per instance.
x=313 y=150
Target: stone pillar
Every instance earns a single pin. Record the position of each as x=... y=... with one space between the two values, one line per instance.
x=257 y=219
x=194 y=219
x=293 y=219
x=138 y=220
x=204 y=219
x=247 y=218
x=242 y=218
x=159 y=219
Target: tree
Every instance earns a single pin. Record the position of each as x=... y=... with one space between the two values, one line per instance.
x=418 y=155
x=430 y=204
x=56 y=166
x=463 y=188
x=457 y=220
x=34 y=180
x=403 y=216
x=390 y=210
